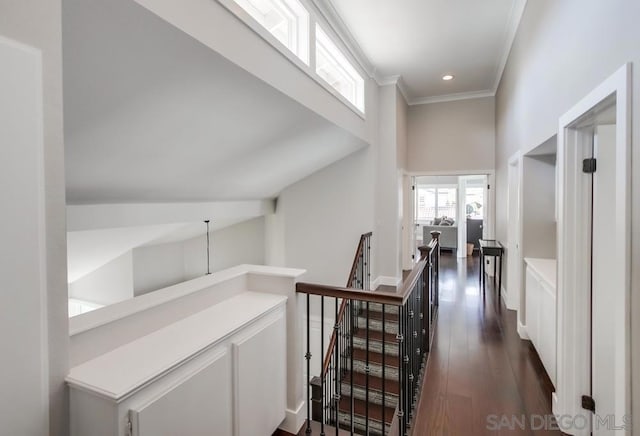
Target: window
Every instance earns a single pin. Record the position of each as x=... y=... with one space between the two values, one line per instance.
x=287 y=20
x=436 y=202
x=337 y=71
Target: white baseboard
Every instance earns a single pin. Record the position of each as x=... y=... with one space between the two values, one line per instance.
x=294 y=419
x=503 y=293
x=375 y=283
x=386 y=281
x=522 y=331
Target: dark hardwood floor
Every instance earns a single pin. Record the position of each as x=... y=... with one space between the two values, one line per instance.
x=481 y=377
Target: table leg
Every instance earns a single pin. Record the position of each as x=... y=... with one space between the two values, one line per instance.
x=483 y=278
x=500 y=279
x=495 y=264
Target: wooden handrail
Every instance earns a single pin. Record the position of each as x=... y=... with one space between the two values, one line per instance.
x=359 y=250
x=397 y=298
x=343 y=304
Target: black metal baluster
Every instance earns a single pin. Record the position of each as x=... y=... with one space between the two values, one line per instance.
x=400 y=340
x=367 y=370
x=406 y=369
x=322 y=375
x=308 y=357
x=337 y=370
x=384 y=364
x=351 y=405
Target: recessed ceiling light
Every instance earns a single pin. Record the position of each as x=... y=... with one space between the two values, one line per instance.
x=447 y=77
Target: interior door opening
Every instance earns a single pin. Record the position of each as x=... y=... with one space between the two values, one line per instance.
x=458 y=206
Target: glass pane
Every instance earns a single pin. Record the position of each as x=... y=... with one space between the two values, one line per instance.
x=287 y=20
x=474 y=202
x=337 y=71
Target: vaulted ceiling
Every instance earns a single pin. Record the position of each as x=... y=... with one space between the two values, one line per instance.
x=423 y=40
x=152 y=115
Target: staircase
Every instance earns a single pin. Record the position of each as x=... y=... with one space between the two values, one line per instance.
x=369 y=383
x=381 y=393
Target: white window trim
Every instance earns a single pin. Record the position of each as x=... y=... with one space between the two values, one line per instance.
x=348 y=70
x=309 y=70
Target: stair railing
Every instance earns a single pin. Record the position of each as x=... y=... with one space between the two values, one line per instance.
x=394 y=354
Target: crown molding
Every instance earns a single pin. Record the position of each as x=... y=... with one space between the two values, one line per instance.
x=328 y=12
x=511 y=30
x=395 y=80
x=453 y=97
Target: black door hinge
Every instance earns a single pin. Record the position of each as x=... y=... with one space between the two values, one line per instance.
x=413 y=188
x=488 y=187
x=588 y=403
x=413 y=256
x=589 y=165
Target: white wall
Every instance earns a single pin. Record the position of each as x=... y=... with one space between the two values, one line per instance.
x=157 y=266
x=38 y=23
x=388 y=185
x=109 y=284
x=149 y=268
x=556 y=59
x=231 y=246
x=538 y=207
x=213 y=25
x=452 y=136
x=323 y=217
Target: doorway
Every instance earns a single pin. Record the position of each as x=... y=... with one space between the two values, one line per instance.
x=594 y=261
x=458 y=206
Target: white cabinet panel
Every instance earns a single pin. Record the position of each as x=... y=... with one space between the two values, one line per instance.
x=195 y=407
x=532 y=303
x=260 y=380
x=541 y=316
x=547 y=331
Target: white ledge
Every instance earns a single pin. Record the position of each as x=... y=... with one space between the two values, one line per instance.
x=105 y=315
x=545 y=268
x=122 y=371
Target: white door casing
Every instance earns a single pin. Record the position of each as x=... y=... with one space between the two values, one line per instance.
x=23 y=300
x=574 y=256
x=515 y=300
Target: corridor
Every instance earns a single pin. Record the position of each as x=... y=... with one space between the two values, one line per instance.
x=482 y=379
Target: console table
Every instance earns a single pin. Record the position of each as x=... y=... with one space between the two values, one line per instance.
x=492 y=248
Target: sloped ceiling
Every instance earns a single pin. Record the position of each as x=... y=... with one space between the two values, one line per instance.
x=151 y=115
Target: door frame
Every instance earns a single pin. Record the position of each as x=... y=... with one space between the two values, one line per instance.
x=573 y=363
x=515 y=296
x=488 y=227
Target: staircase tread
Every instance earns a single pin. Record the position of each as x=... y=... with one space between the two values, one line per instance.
x=359 y=408
x=389 y=360
x=388 y=317
x=375 y=335
x=375 y=383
